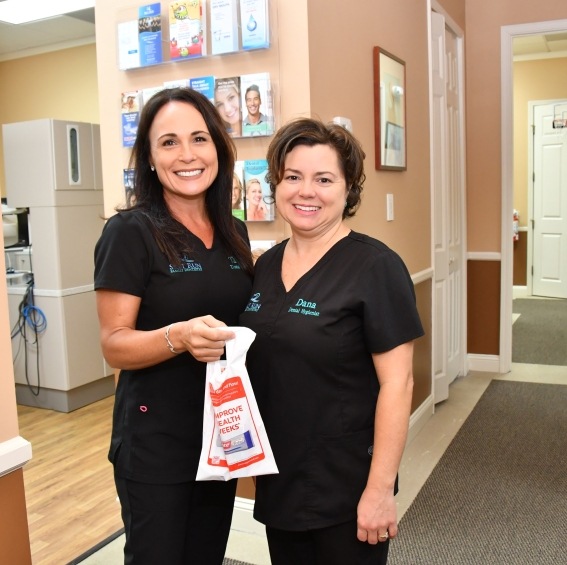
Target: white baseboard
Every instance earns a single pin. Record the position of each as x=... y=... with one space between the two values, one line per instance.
x=243 y=520
x=520 y=292
x=485 y=363
x=420 y=417
x=14 y=453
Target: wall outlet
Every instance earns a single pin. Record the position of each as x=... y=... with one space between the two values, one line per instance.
x=389 y=207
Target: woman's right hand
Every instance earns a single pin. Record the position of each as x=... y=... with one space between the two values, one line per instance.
x=204 y=337
x=124 y=347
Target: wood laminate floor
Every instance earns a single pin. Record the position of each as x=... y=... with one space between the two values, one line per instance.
x=70 y=494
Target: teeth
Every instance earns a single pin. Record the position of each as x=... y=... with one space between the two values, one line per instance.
x=308 y=208
x=189 y=173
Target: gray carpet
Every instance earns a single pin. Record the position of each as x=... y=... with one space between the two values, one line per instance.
x=498 y=496
x=539 y=335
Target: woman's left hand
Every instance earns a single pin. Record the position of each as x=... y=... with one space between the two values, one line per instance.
x=376 y=512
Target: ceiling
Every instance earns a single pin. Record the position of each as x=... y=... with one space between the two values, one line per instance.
x=78 y=28
x=52 y=34
x=541 y=46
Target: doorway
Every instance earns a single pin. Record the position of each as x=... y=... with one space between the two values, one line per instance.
x=508 y=33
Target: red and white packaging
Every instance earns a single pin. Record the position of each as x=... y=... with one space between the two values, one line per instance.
x=235 y=443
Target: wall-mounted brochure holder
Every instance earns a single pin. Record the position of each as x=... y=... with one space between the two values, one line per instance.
x=244 y=102
x=175 y=31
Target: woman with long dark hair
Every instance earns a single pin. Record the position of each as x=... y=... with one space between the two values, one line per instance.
x=172 y=269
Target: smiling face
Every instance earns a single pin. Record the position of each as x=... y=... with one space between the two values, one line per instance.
x=312 y=193
x=182 y=152
x=254 y=192
x=227 y=102
x=253 y=102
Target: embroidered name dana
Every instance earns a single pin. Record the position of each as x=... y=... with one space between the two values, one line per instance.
x=305 y=308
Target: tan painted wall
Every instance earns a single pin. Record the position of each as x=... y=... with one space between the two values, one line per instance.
x=454 y=8
x=62 y=85
x=341 y=78
x=484 y=19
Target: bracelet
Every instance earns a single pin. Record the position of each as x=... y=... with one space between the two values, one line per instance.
x=169 y=344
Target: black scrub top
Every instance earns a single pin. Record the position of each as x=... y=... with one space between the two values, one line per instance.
x=158 y=410
x=313 y=375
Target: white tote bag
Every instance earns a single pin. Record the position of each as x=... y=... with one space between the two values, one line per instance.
x=235 y=443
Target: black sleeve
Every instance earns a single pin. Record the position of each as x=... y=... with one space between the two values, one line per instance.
x=123 y=255
x=390 y=312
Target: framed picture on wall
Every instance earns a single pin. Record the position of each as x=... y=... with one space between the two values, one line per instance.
x=389 y=111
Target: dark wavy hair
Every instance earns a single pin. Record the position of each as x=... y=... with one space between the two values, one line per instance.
x=309 y=131
x=148 y=194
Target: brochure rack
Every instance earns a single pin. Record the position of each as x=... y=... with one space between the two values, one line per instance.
x=178 y=39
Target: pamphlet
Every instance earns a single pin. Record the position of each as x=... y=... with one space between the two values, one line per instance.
x=147 y=93
x=204 y=85
x=258 y=198
x=224 y=26
x=238 y=191
x=128 y=45
x=260 y=246
x=254 y=28
x=130 y=112
x=187 y=29
x=257 y=105
x=149 y=34
x=181 y=83
x=129 y=185
x=228 y=104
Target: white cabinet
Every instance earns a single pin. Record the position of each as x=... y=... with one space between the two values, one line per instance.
x=51 y=163
x=53 y=168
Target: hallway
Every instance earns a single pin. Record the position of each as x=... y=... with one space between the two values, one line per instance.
x=419 y=459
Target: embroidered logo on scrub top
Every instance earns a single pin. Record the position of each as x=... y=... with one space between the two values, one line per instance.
x=233 y=263
x=254 y=303
x=305 y=308
x=187 y=266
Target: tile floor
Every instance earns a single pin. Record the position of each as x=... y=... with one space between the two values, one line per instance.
x=425 y=450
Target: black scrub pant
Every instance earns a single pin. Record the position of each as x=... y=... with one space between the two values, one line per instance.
x=336 y=545
x=179 y=524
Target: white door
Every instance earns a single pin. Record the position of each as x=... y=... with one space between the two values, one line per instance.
x=448 y=190
x=549 y=255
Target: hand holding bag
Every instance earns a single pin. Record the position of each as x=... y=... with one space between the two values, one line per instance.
x=235 y=443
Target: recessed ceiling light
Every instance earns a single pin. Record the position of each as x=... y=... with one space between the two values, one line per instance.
x=18 y=12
